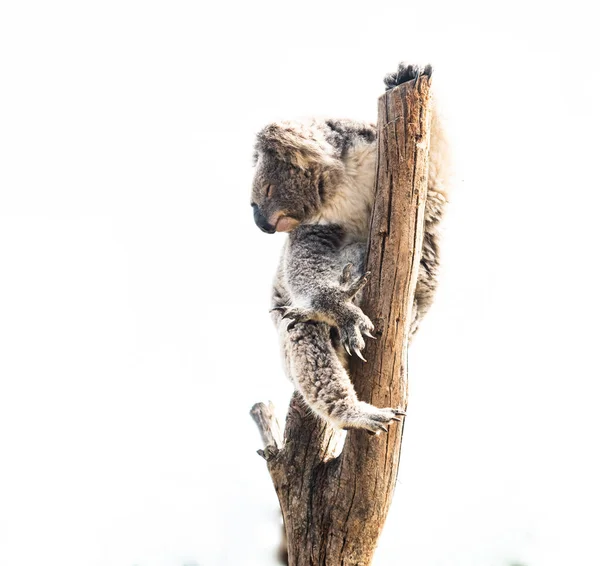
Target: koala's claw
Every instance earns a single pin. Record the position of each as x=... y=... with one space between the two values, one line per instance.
x=352 y=329
x=380 y=428
x=295 y=315
x=359 y=354
x=358 y=285
x=368 y=334
x=356 y=351
x=356 y=323
x=353 y=288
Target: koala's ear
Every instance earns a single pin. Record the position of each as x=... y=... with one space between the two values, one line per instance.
x=296 y=143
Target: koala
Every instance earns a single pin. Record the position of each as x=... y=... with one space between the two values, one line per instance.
x=315 y=180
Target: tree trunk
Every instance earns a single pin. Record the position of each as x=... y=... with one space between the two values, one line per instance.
x=334 y=506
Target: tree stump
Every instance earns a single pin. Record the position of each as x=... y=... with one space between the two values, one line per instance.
x=334 y=505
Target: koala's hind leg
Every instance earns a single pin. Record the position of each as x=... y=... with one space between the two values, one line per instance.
x=427 y=281
x=438 y=184
x=317 y=371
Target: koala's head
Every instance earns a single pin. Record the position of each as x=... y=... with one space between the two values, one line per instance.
x=296 y=172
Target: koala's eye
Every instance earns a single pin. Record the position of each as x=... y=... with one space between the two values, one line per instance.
x=268 y=191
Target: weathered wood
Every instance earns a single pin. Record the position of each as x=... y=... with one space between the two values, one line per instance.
x=334 y=506
x=268 y=426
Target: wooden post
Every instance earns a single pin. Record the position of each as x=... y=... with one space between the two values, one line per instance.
x=334 y=506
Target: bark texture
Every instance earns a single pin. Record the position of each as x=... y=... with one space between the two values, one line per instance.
x=334 y=503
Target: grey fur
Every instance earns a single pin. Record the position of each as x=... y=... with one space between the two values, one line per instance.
x=316 y=180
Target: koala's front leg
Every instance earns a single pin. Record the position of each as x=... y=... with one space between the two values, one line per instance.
x=338 y=307
x=334 y=305
x=318 y=374
x=320 y=290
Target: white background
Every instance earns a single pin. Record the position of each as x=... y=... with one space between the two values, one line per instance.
x=134 y=333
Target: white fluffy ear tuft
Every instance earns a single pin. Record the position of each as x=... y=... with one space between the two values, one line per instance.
x=296 y=143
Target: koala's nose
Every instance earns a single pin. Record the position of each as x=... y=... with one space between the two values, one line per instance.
x=261 y=221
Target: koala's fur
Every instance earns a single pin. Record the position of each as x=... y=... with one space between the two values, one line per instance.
x=316 y=181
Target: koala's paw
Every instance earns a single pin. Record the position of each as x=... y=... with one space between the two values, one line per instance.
x=372 y=419
x=354 y=323
x=296 y=315
x=406 y=72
